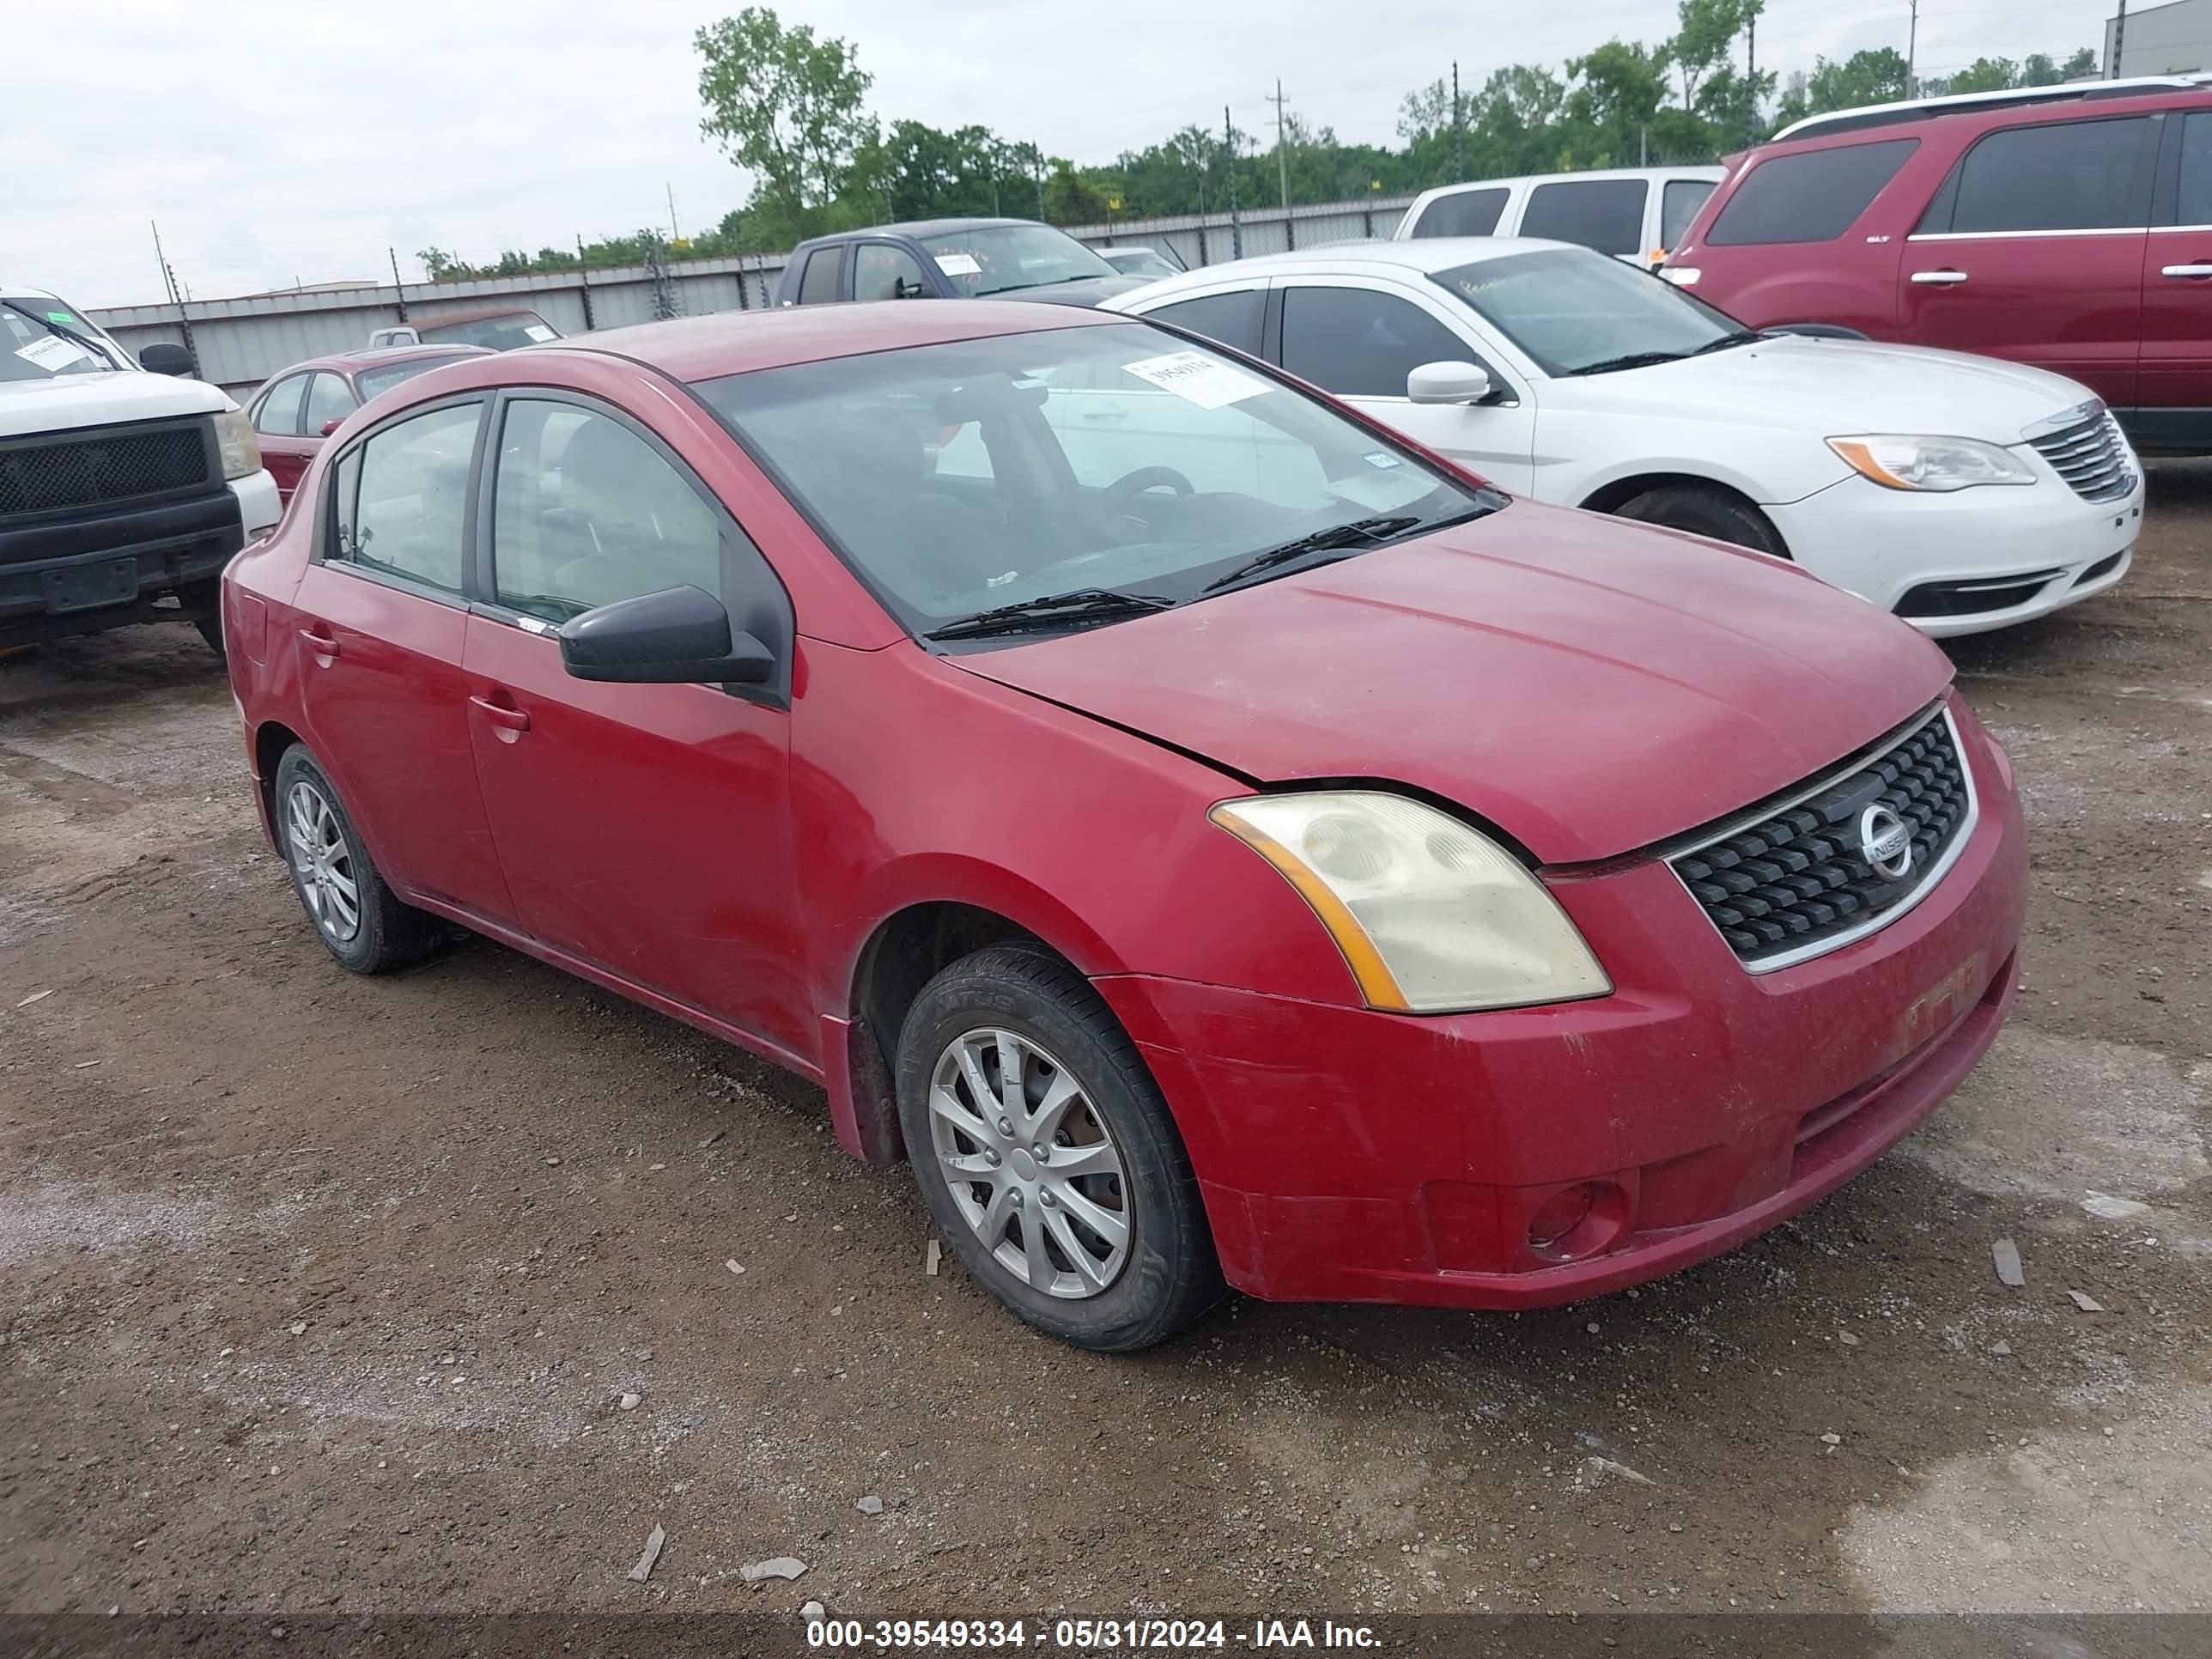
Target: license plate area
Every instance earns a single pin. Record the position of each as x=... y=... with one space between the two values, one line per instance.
x=87 y=586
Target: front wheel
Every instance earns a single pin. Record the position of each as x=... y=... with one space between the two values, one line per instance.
x=1706 y=511
x=1046 y=1154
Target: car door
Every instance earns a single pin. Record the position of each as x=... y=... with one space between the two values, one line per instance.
x=2034 y=248
x=1358 y=337
x=887 y=270
x=278 y=425
x=644 y=830
x=2174 y=392
x=382 y=618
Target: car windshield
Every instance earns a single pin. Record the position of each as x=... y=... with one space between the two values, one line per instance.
x=501 y=333
x=999 y=258
x=1140 y=262
x=1579 y=312
x=36 y=342
x=1109 y=463
x=369 y=382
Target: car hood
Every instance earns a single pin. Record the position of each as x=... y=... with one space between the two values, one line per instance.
x=1590 y=685
x=102 y=399
x=1083 y=291
x=1833 y=388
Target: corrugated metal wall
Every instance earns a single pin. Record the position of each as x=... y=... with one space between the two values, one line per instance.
x=241 y=343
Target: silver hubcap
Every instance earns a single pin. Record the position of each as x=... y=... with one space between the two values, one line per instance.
x=1030 y=1163
x=322 y=862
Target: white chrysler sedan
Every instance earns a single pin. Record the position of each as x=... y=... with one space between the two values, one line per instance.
x=1960 y=493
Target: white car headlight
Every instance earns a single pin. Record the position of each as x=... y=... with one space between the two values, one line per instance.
x=241 y=450
x=1680 y=276
x=1430 y=917
x=1907 y=463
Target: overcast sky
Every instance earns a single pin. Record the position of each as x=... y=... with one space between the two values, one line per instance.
x=297 y=140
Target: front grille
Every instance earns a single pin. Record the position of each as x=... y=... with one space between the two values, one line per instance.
x=1797 y=880
x=2092 y=456
x=98 y=466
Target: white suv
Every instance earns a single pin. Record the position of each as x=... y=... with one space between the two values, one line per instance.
x=1635 y=214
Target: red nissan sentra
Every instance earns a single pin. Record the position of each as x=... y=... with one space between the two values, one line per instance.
x=1210 y=838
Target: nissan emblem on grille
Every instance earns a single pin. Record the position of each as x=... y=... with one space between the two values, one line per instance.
x=1886 y=842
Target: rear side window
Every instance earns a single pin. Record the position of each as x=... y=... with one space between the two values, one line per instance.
x=1812 y=197
x=824 y=267
x=1605 y=213
x=279 y=414
x=1679 y=206
x=328 y=400
x=1463 y=213
x=1359 y=343
x=2071 y=175
x=2194 y=207
x=1231 y=318
x=404 y=495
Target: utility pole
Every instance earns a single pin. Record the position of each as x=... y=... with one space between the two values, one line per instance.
x=1751 y=72
x=176 y=298
x=1458 y=164
x=1282 y=151
x=584 y=286
x=2119 y=42
x=1236 y=224
x=1912 y=52
x=399 y=288
x=674 y=234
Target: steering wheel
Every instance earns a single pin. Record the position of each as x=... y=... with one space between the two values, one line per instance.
x=1121 y=494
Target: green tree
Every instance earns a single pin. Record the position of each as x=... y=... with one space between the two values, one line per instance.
x=1864 y=77
x=2080 y=67
x=788 y=106
x=1070 y=199
x=1992 y=75
x=1617 y=89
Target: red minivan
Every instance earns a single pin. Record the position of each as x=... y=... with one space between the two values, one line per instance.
x=2070 y=228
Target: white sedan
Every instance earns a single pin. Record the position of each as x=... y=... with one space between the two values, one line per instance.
x=1961 y=493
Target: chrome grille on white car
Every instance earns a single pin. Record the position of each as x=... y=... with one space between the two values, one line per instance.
x=2089 y=452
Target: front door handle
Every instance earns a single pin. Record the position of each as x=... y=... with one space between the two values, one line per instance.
x=1111 y=412
x=500 y=714
x=2198 y=272
x=321 y=644
x=1939 y=278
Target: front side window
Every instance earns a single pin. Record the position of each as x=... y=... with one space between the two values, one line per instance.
x=1577 y=313
x=277 y=415
x=999 y=258
x=1113 y=458
x=1812 y=196
x=1232 y=318
x=2071 y=175
x=328 y=400
x=884 y=271
x=1359 y=343
x=1605 y=213
x=1462 y=213
x=585 y=512
x=1679 y=206
x=819 y=281
x=403 y=498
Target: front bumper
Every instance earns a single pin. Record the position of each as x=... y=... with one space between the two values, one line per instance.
x=1346 y=1155
x=2029 y=550
x=97 y=570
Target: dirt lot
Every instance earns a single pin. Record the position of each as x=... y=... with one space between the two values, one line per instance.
x=321 y=1293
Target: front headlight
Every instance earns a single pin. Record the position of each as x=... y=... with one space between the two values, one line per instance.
x=1431 y=917
x=1905 y=463
x=241 y=450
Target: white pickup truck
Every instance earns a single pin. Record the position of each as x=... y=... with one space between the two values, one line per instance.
x=124 y=487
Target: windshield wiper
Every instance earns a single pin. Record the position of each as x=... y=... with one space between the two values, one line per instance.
x=1631 y=360
x=1360 y=533
x=1077 y=606
x=60 y=331
x=1742 y=336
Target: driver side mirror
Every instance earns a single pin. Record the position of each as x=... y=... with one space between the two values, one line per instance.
x=1449 y=383
x=677 y=636
x=330 y=427
x=165 y=357
x=906 y=287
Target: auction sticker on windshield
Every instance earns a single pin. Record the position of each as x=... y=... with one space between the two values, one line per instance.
x=52 y=352
x=958 y=264
x=1197 y=378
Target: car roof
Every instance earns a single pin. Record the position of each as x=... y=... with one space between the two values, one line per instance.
x=2161 y=88
x=738 y=342
x=371 y=357
x=921 y=229
x=1420 y=257
x=480 y=314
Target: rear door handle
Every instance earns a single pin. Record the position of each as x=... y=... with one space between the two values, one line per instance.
x=1111 y=412
x=2197 y=271
x=321 y=644
x=512 y=719
x=1939 y=278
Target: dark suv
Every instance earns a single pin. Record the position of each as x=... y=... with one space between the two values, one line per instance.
x=2070 y=228
x=950 y=259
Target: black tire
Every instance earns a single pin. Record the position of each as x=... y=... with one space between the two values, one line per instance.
x=1170 y=1274
x=1704 y=510
x=387 y=933
x=202 y=603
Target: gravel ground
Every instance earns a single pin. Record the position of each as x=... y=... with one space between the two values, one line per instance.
x=409 y=1295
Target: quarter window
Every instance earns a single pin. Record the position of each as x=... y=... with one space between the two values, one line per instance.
x=1359 y=343
x=403 y=498
x=1231 y=318
x=1605 y=213
x=1815 y=196
x=1462 y=213
x=328 y=400
x=1679 y=207
x=278 y=413
x=2194 y=207
x=883 y=270
x=585 y=512
x=2072 y=175
x=824 y=267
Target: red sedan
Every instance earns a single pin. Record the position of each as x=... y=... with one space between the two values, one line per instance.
x=296 y=408
x=1210 y=838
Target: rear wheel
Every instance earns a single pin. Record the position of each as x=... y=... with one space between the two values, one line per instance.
x=358 y=919
x=1706 y=510
x=1047 y=1155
